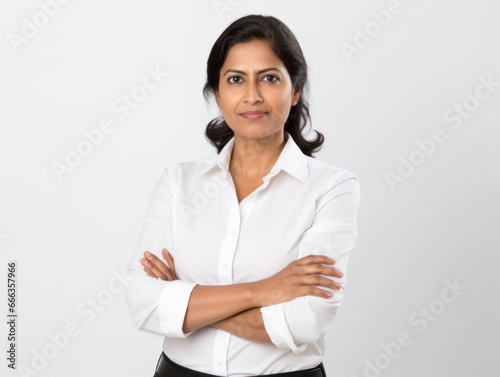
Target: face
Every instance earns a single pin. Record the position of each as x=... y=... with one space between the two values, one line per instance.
x=253 y=78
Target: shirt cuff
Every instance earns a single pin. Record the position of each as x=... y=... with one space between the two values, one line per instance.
x=172 y=307
x=277 y=328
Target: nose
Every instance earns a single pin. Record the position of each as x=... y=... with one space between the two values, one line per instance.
x=252 y=94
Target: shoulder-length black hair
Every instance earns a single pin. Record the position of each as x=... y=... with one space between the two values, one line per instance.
x=287 y=48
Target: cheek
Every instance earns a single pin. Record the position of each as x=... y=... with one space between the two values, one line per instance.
x=229 y=103
x=281 y=106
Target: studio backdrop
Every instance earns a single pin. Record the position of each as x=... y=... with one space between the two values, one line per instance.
x=98 y=97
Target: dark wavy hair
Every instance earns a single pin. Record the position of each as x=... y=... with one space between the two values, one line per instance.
x=287 y=48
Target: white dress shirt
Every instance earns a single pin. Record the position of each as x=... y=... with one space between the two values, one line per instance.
x=304 y=206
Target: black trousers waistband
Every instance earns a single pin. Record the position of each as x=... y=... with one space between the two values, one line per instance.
x=167 y=368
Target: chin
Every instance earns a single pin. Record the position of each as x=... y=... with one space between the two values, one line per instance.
x=254 y=131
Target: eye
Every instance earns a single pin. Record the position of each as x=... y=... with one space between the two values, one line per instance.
x=274 y=77
x=233 y=77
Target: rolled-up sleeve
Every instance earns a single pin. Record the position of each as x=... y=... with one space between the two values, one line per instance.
x=294 y=324
x=156 y=306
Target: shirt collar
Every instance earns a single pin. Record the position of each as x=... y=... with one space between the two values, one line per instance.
x=291 y=159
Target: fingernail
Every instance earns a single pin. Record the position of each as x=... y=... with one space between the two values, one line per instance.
x=147 y=253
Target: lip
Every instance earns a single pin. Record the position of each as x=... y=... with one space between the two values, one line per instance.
x=252 y=115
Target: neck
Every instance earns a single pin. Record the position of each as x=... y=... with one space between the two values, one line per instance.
x=254 y=158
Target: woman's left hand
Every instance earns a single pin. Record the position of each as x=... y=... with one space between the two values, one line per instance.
x=155 y=268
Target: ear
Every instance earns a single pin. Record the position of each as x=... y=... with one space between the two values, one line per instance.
x=296 y=96
x=217 y=97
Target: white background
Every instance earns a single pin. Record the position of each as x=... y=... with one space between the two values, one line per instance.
x=440 y=225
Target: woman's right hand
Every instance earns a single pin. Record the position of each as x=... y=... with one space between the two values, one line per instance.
x=299 y=279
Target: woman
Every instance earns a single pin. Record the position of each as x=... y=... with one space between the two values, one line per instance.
x=254 y=231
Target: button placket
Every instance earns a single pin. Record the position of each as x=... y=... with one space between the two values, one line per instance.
x=229 y=244
x=226 y=255
x=221 y=345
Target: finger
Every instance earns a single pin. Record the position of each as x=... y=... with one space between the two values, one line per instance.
x=321 y=281
x=320 y=259
x=149 y=273
x=156 y=271
x=153 y=264
x=314 y=291
x=158 y=263
x=323 y=270
x=170 y=260
x=339 y=273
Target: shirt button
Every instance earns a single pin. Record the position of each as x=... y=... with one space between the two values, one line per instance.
x=219 y=361
x=226 y=266
x=233 y=232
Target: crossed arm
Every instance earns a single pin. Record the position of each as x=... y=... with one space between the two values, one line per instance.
x=247 y=324
x=293 y=321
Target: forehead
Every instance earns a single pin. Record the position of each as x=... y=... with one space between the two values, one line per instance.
x=256 y=53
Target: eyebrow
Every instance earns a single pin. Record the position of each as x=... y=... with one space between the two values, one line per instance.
x=243 y=73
